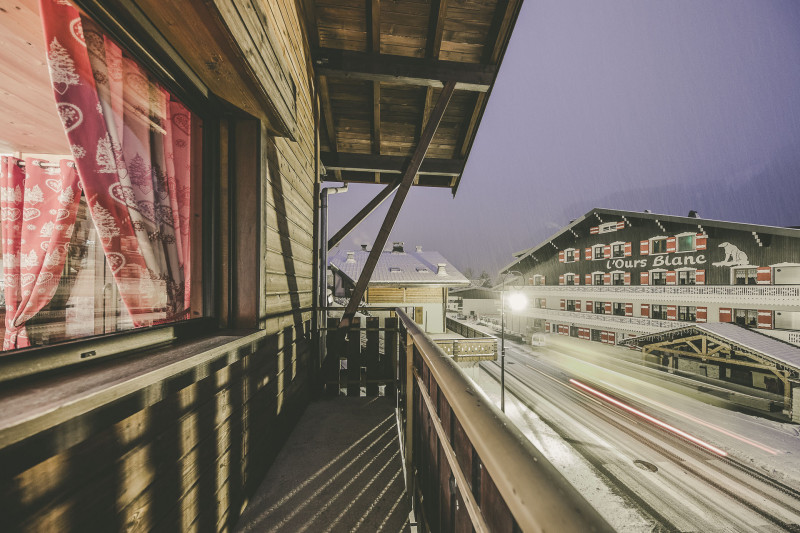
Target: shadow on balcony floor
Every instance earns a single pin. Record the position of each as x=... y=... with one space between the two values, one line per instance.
x=340 y=470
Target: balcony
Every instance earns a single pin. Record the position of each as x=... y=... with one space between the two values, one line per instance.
x=772 y=296
x=631 y=324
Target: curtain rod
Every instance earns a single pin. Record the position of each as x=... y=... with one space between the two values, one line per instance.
x=46 y=165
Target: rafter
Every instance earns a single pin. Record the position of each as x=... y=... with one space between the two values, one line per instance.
x=403 y=70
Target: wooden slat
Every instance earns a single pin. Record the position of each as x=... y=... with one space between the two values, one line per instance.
x=400 y=69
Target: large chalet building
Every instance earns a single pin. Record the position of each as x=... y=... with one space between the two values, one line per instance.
x=610 y=275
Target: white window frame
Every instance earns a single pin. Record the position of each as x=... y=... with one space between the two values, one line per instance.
x=595 y=247
x=617 y=272
x=657 y=238
x=573 y=277
x=567 y=251
x=650 y=279
x=684 y=269
x=615 y=243
x=602 y=275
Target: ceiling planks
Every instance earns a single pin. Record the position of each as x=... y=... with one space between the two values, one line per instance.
x=384 y=65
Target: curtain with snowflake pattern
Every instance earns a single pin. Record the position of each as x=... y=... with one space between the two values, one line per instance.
x=131 y=142
x=38 y=206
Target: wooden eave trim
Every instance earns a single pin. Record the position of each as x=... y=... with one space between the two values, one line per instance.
x=402 y=70
x=389 y=164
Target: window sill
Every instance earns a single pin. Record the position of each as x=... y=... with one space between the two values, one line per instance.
x=38 y=403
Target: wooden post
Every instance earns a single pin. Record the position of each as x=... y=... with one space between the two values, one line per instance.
x=409 y=444
x=330 y=367
x=354 y=358
x=372 y=356
x=389 y=368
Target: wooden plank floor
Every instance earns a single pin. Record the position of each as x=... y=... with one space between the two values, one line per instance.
x=340 y=470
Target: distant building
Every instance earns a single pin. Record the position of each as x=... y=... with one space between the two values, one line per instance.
x=474 y=301
x=418 y=280
x=610 y=275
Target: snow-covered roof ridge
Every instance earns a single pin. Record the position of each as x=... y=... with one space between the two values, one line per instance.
x=407 y=268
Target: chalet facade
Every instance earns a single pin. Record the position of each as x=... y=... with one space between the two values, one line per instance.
x=611 y=275
x=416 y=280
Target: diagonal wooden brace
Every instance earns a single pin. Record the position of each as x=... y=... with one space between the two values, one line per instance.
x=397 y=202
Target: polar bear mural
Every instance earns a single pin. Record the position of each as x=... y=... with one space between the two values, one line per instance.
x=733 y=256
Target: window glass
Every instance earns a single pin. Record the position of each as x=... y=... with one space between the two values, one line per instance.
x=618 y=278
x=658 y=246
x=599 y=308
x=687 y=313
x=598 y=279
x=686 y=277
x=569 y=256
x=686 y=243
x=658 y=278
x=746 y=317
x=570 y=305
x=618 y=250
x=658 y=312
x=619 y=309
x=744 y=276
x=99 y=213
x=598 y=252
x=569 y=279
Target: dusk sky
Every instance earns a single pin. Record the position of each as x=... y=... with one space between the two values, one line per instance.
x=667 y=106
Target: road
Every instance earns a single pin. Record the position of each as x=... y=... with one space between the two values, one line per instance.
x=685 y=461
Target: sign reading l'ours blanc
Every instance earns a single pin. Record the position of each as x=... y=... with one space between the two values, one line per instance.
x=658 y=261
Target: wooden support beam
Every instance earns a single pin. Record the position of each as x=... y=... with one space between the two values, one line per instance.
x=388 y=164
x=375 y=48
x=436 y=28
x=402 y=69
x=364 y=213
x=397 y=202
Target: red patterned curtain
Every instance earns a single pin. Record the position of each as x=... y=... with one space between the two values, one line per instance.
x=131 y=141
x=38 y=206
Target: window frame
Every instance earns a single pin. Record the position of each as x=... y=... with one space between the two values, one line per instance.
x=687 y=313
x=689 y=273
x=684 y=235
x=662 y=276
x=747 y=278
x=598 y=305
x=165 y=64
x=618 y=275
x=659 y=240
x=618 y=306
x=595 y=277
x=618 y=245
x=598 y=250
x=658 y=312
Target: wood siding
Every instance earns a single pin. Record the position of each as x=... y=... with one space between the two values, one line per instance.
x=411 y=295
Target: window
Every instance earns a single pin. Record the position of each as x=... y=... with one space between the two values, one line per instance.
x=540 y=303
x=130 y=257
x=745 y=276
x=658 y=312
x=686 y=243
x=658 y=278
x=570 y=305
x=599 y=308
x=746 y=317
x=569 y=256
x=687 y=313
x=686 y=277
x=597 y=279
x=618 y=250
x=619 y=308
x=658 y=246
x=569 y=279
x=597 y=251
x=618 y=278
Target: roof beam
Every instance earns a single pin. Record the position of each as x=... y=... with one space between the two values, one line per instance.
x=390 y=164
x=386 y=68
x=375 y=48
x=371 y=206
x=397 y=202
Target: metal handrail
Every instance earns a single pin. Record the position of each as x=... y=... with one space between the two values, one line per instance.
x=538 y=496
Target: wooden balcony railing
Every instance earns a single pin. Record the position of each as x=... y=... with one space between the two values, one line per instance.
x=467 y=467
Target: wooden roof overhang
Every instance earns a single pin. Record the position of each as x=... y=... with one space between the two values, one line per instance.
x=381 y=67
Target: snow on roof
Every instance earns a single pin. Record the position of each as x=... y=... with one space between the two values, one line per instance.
x=406 y=268
x=757 y=342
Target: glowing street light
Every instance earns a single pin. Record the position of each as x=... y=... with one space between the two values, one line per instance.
x=516 y=301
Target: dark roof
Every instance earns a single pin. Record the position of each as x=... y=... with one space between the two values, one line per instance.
x=750 y=340
x=598 y=213
x=380 y=72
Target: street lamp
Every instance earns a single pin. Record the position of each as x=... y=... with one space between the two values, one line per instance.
x=517 y=302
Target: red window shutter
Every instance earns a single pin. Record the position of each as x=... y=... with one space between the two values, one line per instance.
x=547 y=325
x=644 y=248
x=628 y=309
x=628 y=249
x=576 y=279
x=702 y=314
x=607 y=305
x=606 y=251
x=764 y=319
x=620 y=225
x=588 y=278
x=542 y=283
x=672 y=312
x=577 y=305
x=561 y=279
x=764 y=276
x=644 y=278
x=672 y=277
x=700 y=276
x=725 y=314
x=700 y=241
x=671 y=244
x=561 y=256
x=612 y=337
x=594 y=230
x=645 y=310
x=563 y=304
x=544 y=303
x=587 y=254
x=627 y=278
x=577 y=255
x=589 y=306
x=604 y=336
x=607 y=279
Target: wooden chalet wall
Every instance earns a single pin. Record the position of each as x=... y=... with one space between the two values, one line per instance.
x=180 y=438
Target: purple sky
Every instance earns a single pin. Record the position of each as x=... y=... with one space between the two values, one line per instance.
x=667 y=106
